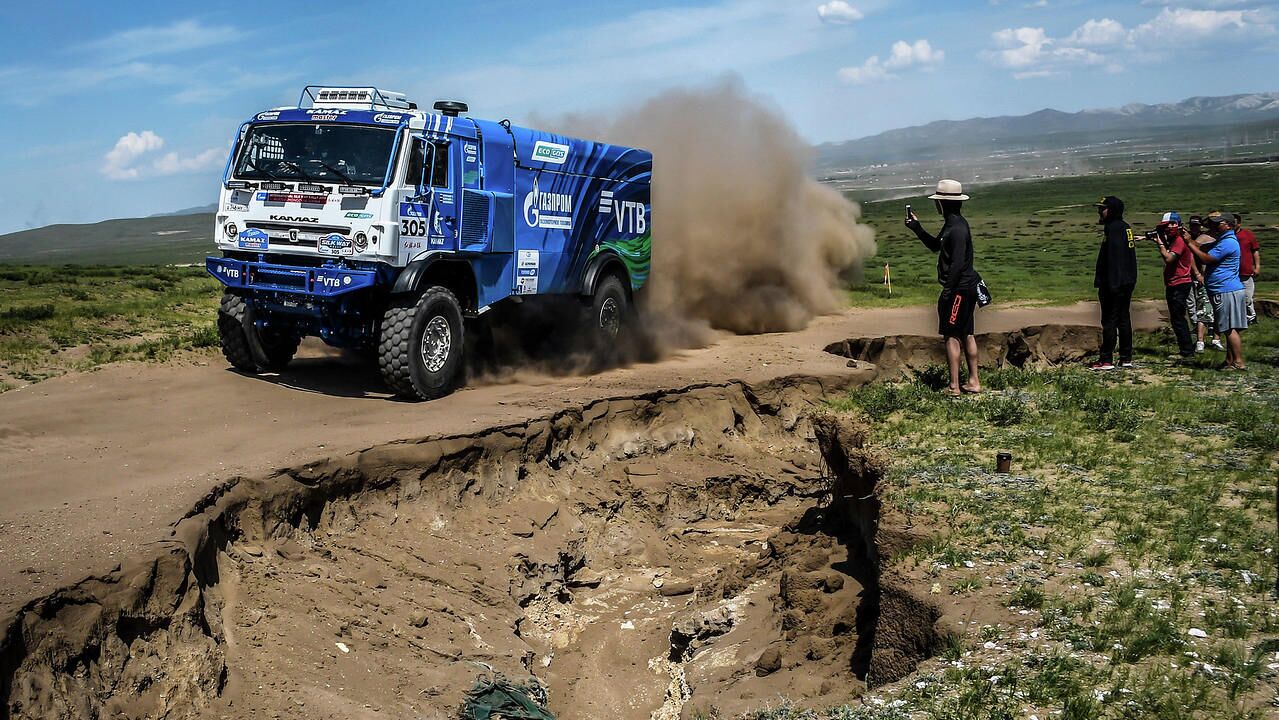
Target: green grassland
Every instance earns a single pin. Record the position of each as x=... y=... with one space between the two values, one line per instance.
x=1037 y=240
x=1124 y=569
x=54 y=319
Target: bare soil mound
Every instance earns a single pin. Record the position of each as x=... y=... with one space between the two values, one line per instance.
x=1035 y=346
x=642 y=556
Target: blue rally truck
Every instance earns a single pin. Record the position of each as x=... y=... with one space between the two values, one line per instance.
x=363 y=220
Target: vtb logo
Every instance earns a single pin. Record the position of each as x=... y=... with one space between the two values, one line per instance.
x=631 y=216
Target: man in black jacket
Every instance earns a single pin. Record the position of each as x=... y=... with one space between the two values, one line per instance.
x=1115 y=278
x=955 y=273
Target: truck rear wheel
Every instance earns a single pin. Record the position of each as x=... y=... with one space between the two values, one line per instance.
x=421 y=347
x=610 y=311
x=279 y=347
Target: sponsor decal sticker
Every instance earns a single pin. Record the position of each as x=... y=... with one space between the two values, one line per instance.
x=252 y=239
x=297 y=198
x=548 y=210
x=549 y=152
x=295 y=218
x=527 y=260
x=388 y=118
x=335 y=245
x=359 y=215
x=412 y=244
x=269 y=115
x=230 y=273
x=526 y=286
x=235 y=207
x=408 y=209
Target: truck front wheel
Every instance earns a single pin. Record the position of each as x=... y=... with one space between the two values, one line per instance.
x=279 y=347
x=420 y=349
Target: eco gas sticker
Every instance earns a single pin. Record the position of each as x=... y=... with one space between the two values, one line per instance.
x=359 y=215
x=549 y=152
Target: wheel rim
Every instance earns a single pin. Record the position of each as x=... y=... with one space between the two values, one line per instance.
x=610 y=317
x=437 y=342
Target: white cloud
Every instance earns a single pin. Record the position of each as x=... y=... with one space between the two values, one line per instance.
x=128 y=160
x=178 y=37
x=1032 y=52
x=117 y=163
x=1098 y=32
x=839 y=12
x=902 y=56
x=1186 y=25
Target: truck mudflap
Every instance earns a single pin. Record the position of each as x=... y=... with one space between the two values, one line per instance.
x=324 y=282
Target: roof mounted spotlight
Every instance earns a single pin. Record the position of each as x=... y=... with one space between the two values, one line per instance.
x=451 y=108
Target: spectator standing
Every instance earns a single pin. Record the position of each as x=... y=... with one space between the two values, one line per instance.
x=1249 y=263
x=1199 y=306
x=1115 y=277
x=958 y=300
x=1178 y=265
x=1221 y=261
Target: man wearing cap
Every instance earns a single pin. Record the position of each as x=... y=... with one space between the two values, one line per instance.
x=1221 y=260
x=955 y=273
x=1115 y=277
x=1178 y=264
x=1249 y=263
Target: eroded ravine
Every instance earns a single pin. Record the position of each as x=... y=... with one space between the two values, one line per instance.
x=642 y=556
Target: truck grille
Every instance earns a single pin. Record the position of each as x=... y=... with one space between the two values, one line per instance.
x=475 y=216
x=308 y=236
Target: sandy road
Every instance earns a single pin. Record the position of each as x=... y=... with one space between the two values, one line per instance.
x=94 y=465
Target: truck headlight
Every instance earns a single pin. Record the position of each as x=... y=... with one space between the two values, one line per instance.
x=231 y=230
x=361 y=242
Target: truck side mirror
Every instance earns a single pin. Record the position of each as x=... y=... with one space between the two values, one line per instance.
x=426 y=150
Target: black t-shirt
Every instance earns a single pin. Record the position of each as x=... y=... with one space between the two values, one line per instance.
x=954 y=246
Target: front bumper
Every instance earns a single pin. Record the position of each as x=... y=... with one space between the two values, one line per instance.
x=322 y=282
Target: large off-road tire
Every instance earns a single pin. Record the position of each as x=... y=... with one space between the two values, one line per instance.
x=610 y=312
x=279 y=347
x=422 y=344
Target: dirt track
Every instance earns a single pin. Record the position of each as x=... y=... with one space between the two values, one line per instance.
x=98 y=466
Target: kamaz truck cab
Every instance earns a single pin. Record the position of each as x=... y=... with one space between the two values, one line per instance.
x=360 y=219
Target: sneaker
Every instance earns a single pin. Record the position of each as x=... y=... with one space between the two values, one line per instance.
x=1102 y=365
x=1216 y=342
x=1126 y=364
x=1199 y=346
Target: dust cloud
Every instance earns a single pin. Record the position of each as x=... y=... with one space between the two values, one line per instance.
x=745 y=240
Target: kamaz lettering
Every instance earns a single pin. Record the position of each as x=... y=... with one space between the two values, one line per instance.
x=388 y=264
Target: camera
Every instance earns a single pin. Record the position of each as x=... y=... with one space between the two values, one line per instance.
x=1153 y=235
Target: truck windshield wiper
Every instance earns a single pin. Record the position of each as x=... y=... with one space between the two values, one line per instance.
x=297 y=167
x=333 y=170
x=253 y=164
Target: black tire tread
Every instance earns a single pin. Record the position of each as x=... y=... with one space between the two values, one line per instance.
x=395 y=356
x=279 y=348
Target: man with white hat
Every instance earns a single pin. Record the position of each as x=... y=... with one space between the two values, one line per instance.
x=955 y=273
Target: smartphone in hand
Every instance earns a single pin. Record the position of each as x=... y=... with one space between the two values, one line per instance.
x=909 y=214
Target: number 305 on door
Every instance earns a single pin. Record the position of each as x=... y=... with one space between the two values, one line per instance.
x=413 y=228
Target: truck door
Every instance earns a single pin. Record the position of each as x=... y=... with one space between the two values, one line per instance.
x=434 y=218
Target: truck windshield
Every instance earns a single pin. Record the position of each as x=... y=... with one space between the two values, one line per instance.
x=351 y=154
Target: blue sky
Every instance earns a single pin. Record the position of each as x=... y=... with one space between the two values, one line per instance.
x=126 y=109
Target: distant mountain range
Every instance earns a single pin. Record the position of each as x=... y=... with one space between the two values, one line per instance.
x=1048 y=128
x=210 y=208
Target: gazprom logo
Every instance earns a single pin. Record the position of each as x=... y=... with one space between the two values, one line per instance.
x=548 y=210
x=549 y=152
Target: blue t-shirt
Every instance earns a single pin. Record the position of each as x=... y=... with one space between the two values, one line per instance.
x=1223 y=276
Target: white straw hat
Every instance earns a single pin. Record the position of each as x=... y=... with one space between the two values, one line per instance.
x=949 y=190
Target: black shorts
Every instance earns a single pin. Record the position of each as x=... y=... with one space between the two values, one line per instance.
x=955 y=313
